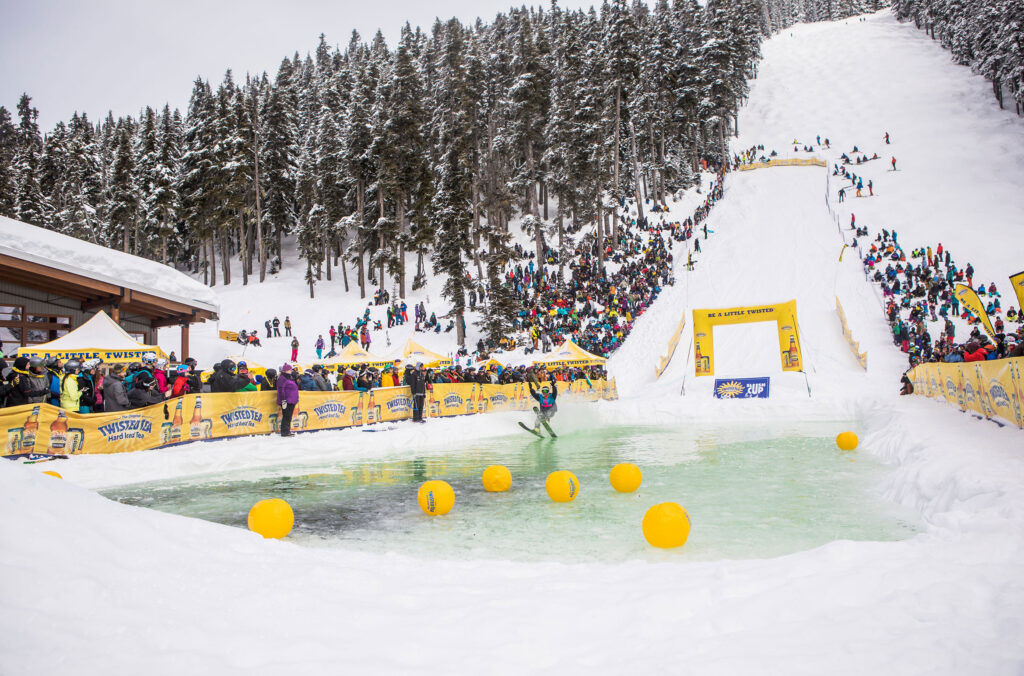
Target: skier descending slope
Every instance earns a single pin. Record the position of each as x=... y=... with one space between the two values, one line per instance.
x=546 y=407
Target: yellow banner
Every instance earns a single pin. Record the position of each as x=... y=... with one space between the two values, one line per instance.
x=862 y=357
x=993 y=389
x=783 y=314
x=968 y=297
x=1017 y=281
x=795 y=162
x=108 y=356
x=672 y=343
x=41 y=429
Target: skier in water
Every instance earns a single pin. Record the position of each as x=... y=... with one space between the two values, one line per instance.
x=546 y=406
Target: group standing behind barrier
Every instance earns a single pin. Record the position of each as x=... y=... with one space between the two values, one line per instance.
x=38 y=430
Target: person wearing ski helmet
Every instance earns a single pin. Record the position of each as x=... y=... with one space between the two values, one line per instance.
x=268 y=382
x=546 y=406
x=27 y=382
x=226 y=380
x=182 y=382
x=55 y=369
x=143 y=392
x=160 y=373
x=87 y=385
x=69 y=393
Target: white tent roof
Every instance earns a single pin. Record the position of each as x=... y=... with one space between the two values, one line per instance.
x=52 y=249
x=99 y=334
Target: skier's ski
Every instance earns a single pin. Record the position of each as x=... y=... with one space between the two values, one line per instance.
x=532 y=431
x=548 y=428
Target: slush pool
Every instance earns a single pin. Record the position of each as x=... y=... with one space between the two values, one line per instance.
x=751 y=492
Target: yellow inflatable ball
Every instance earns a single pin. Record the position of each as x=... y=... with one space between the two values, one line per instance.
x=562 y=486
x=626 y=477
x=666 y=525
x=272 y=518
x=497 y=479
x=847 y=441
x=52 y=473
x=436 y=497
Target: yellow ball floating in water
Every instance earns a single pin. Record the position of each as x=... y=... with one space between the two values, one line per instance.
x=562 y=486
x=436 y=497
x=626 y=477
x=847 y=441
x=666 y=525
x=52 y=473
x=497 y=479
x=272 y=518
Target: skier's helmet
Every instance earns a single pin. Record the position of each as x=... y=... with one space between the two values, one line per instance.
x=71 y=366
x=149 y=358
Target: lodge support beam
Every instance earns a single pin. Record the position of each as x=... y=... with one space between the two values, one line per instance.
x=184 y=340
x=105 y=301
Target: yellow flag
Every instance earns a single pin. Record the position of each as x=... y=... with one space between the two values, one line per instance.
x=968 y=297
x=1018 y=287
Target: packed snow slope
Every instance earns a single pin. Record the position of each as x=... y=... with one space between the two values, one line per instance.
x=95 y=587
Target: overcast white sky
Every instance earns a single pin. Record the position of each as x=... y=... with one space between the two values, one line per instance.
x=121 y=55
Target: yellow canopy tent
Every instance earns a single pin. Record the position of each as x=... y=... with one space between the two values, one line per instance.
x=100 y=337
x=354 y=355
x=489 y=363
x=413 y=352
x=569 y=354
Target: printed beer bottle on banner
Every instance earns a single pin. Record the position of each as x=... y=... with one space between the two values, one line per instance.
x=698 y=360
x=31 y=429
x=357 y=414
x=59 y=433
x=176 y=424
x=196 y=425
x=469 y=399
x=432 y=405
x=373 y=412
x=794 y=354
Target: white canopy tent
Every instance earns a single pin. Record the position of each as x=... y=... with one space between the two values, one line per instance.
x=99 y=337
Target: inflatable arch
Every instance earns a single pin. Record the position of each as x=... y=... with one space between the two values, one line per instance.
x=783 y=314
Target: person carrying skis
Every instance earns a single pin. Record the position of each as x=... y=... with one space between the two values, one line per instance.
x=546 y=406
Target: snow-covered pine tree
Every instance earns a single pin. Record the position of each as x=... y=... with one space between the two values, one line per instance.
x=278 y=158
x=8 y=152
x=162 y=205
x=53 y=171
x=122 y=194
x=198 y=176
x=358 y=160
x=30 y=205
x=84 y=184
x=525 y=138
x=330 y=170
x=451 y=206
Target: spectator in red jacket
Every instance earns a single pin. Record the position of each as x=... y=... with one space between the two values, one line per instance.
x=975 y=352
